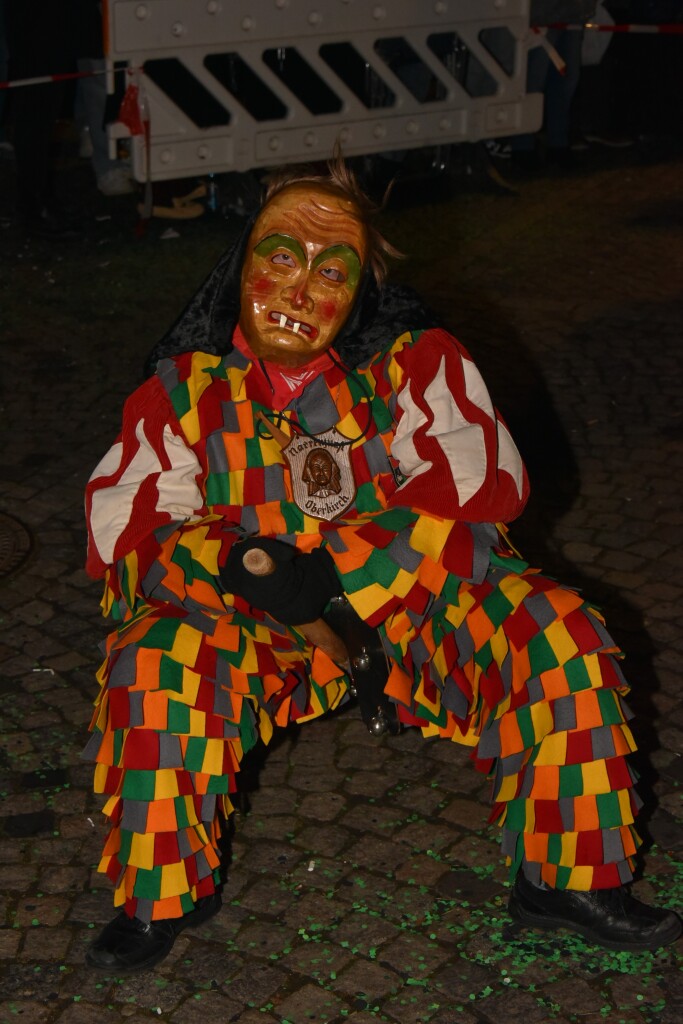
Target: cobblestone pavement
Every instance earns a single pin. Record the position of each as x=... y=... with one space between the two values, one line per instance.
x=364 y=883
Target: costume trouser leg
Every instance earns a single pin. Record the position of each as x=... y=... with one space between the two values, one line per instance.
x=518 y=667
x=544 y=691
x=179 y=706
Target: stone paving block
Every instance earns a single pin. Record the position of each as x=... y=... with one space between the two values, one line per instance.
x=310 y=1004
x=514 y=1005
x=26 y=1009
x=9 y=943
x=273 y=800
x=374 y=851
x=475 y=850
x=466 y=814
x=382 y=820
x=424 y=834
x=326 y=841
x=458 y=778
x=18 y=877
x=420 y=1006
x=322 y=874
x=420 y=866
x=373 y=758
x=264 y=855
x=263 y=897
x=322 y=806
x=574 y=996
x=368 y=981
x=205 y=1006
x=317 y=958
x=254 y=983
x=40 y=911
x=275 y=826
x=45 y=944
x=414 y=956
x=367 y=784
x=425 y=799
x=18 y=665
x=258 y=941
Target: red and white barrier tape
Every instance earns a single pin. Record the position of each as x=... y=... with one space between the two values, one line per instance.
x=44 y=79
x=594 y=26
x=673 y=29
x=64 y=76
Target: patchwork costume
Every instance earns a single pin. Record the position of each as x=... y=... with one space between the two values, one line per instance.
x=483 y=650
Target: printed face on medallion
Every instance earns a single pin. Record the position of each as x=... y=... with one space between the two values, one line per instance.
x=304 y=261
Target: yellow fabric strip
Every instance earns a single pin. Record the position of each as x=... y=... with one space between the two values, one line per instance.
x=142 y=851
x=562 y=643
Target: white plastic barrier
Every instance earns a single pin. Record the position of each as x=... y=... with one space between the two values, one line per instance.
x=240 y=84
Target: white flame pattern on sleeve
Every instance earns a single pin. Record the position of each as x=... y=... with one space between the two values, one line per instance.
x=509 y=458
x=112 y=506
x=462 y=442
x=179 y=494
x=403 y=447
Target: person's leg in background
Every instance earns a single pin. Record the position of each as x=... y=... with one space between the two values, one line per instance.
x=113 y=176
x=559 y=94
x=525 y=147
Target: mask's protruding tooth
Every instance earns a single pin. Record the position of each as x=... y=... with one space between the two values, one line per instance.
x=297 y=327
x=283 y=320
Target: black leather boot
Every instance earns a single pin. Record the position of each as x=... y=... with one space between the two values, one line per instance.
x=128 y=944
x=369 y=668
x=609 y=917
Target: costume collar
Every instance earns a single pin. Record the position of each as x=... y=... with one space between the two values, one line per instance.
x=281 y=384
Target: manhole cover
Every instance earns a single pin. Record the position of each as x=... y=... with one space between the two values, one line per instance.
x=15 y=544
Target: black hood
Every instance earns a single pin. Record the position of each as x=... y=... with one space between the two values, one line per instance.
x=379 y=315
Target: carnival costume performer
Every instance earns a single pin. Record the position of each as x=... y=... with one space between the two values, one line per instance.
x=371 y=472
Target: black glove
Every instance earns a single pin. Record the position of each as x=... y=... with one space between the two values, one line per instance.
x=297 y=591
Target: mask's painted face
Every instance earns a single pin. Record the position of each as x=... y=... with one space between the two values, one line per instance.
x=303 y=266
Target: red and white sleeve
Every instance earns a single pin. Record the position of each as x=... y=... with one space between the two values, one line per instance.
x=147 y=479
x=451 y=445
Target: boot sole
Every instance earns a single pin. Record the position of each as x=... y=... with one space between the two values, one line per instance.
x=525 y=917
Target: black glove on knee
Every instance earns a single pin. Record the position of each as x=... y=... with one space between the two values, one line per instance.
x=297 y=591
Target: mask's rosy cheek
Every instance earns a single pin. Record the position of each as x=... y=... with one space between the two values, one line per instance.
x=328 y=310
x=260 y=287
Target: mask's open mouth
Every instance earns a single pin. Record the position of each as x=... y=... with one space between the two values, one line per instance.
x=296 y=326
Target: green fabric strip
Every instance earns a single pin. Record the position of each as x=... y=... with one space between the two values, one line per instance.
x=554 y=849
x=182 y=820
x=218 y=489
x=609 y=811
x=148 y=883
x=170 y=674
x=497 y=607
x=541 y=655
x=610 y=709
x=571 y=780
x=248 y=731
x=254 y=454
x=526 y=727
x=577 y=675
x=138 y=785
x=178 y=718
x=180 y=399
x=161 y=634
x=194 y=755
